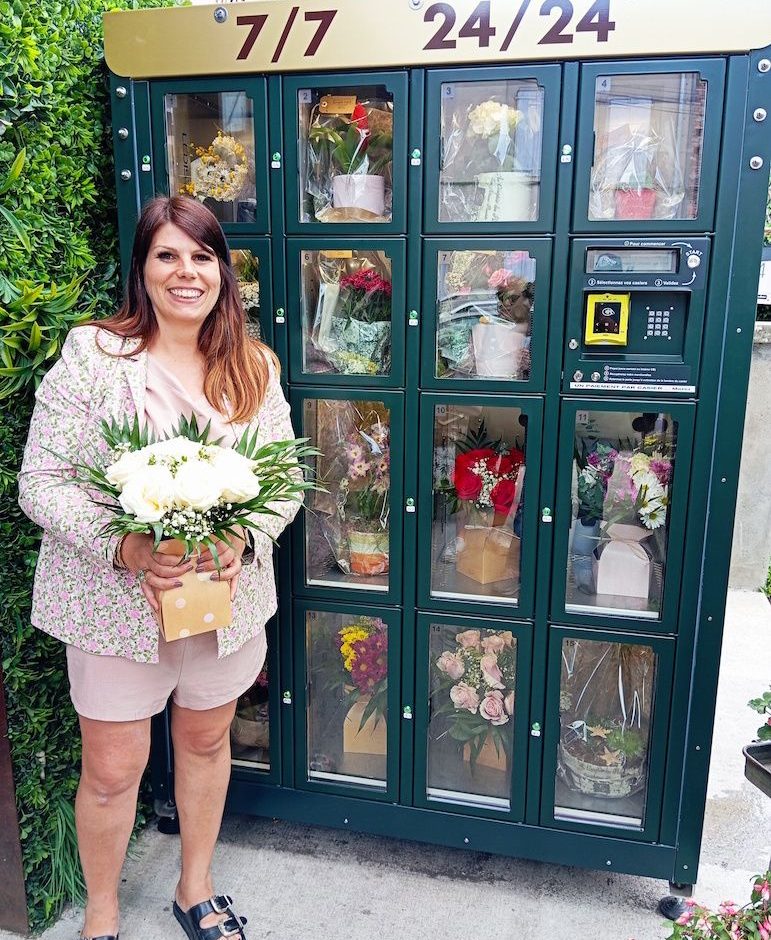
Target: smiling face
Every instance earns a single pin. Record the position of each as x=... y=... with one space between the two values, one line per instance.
x=181 y=277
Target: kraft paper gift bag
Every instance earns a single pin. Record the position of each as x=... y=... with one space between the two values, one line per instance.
x=199 y=606
x=487 y=553
x=624 y=566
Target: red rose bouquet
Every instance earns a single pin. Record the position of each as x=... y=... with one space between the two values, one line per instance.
x=488 y=478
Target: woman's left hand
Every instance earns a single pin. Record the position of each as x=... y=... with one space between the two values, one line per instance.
x=229 y=561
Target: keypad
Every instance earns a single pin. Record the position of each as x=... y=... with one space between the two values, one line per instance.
x=658 y=323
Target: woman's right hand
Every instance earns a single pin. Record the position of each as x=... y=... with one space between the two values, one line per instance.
x=161 y=572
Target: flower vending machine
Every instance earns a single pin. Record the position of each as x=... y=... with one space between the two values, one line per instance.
x=506 y=255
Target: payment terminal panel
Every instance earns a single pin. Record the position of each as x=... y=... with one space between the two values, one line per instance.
x=635 y=315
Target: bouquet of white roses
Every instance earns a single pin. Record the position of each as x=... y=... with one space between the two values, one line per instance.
x=189 y=488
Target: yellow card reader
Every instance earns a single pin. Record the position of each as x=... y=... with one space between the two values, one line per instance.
x=607 y=319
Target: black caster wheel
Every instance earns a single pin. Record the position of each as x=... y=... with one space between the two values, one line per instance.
x=169 y=825
x=671 y=907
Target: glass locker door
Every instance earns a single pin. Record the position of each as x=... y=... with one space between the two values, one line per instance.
x=347 y=311
x=252 y=266
x=647 y=146
x=623 y=481
x=491 y=149
x=605 y=738
x=348 y=539
x=347 y=678
x=485 y=312
x=478 y=509
x=471 y=720
x=210 y=141
x=255 y=738
x=345 y=140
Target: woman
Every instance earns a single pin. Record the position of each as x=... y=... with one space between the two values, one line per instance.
x=178 y=345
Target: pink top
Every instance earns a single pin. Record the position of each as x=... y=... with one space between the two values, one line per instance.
x=166 y=399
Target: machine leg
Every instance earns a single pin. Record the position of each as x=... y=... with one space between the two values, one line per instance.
x=672 y=906
x=168 y=821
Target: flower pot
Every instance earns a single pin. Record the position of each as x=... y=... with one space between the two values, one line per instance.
x=635 y=203
x=496 y=349
x=487 y=553
x=586 y=538
x=614 y=781
x=250 y=727
x=371 y=739
x=368 y=552
x=488 y=756
x=359 y=191
x=506 y=197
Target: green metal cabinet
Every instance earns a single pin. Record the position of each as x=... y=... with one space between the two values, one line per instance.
x=569 y=332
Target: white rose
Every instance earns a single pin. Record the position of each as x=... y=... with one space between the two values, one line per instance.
x=149 y=494
x=175 y=447
x=126 y=467
x=197 y=485
x=236 y=473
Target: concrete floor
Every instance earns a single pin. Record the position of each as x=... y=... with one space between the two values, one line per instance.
x=302 y=883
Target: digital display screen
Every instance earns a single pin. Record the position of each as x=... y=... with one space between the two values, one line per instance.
x=632 y=260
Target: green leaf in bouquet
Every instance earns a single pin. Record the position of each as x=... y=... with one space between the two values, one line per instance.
x=188 y=428
x=122 y=434
x=478 y=440
x=370 y=710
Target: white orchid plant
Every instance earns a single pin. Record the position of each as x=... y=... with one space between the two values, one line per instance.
x=189 y=488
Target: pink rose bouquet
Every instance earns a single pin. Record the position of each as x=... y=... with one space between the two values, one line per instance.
x=473 y=690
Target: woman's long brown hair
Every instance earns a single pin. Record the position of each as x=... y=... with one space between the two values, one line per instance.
x=237 y=366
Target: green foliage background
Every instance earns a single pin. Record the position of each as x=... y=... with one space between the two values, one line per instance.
x=53 y=103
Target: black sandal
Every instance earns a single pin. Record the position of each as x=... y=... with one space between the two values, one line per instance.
x=190 y=920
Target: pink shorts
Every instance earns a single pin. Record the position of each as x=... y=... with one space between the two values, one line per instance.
x=111 y=688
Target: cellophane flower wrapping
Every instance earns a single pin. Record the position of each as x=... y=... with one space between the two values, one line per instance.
x=347 y=312
x=351 y=139
x=485 y=312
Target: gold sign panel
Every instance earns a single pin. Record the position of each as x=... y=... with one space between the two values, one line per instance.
x=281 y=36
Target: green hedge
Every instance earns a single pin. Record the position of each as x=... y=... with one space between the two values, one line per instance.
x=54 y=106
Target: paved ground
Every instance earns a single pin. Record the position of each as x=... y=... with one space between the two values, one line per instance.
x=301 y=883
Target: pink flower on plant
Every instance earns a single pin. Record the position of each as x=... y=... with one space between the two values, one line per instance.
x=764 y=890
x=452 y=664
x=729 y=908
x=491 y=671
x=764 y=929
x=492 y=709
x=684 y=918
x=464 y=697
x=469 y=639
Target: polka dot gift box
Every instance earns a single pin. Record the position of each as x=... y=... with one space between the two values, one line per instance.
x=200 y=605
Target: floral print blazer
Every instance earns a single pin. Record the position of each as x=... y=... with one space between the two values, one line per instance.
x=78 y=596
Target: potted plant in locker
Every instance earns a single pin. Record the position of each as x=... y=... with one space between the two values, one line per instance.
x=350 y=157
x=364 y=498
x=605 y=711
